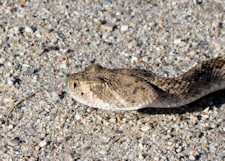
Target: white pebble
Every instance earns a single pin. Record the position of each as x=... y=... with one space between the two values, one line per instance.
x=10 y=126
x=112 y=120
x=151 y=24
x=103 y=152
x=192 y=157
x=206 y=110
x=134 y=59
x=170 y=143
x=145 y=128
x=124 y=28
x=10 y=81
x=78 y=117
x=177 y=41
x=28 y=30
x=15 y=30
x=140 y=146
x=9 y=64
x=42 y=143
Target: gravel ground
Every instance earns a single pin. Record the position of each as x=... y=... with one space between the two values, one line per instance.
x=41 y=42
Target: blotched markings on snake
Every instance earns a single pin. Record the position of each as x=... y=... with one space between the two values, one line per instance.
x=132 y=89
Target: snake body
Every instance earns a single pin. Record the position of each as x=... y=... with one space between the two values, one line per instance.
x=132 y=89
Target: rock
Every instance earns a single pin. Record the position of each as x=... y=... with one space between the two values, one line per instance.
x=124 y=28
x=28 y=30
x=177 y=41
x=192 y=157
x=77 y=117
x=145 y=128
x=106 y=28
x=43 y=143
x=103 y=152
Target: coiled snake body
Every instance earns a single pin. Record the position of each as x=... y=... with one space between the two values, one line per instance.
x=132 y=89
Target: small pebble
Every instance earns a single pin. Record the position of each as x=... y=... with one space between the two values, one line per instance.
x=10 y=126
x=170 y=143
x=78 y=117
x=192 y=157
x=11 y=81
x=124 y=28
x=43 y=143
x=145 y=128
x=177 y=41
x=112 y=120
x=28 y=30
x=103 y=152
x=105 y=28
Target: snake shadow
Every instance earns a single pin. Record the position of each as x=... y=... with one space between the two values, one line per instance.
x=214 y=99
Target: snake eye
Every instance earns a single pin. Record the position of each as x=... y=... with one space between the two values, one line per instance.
x=74 y=85
x=102 y=79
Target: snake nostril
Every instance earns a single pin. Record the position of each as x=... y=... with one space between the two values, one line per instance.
x=82 y=93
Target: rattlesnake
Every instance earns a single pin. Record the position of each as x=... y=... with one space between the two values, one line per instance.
x=132 y=89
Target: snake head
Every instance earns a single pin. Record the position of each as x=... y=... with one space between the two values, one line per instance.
x=109 y=89
x=89 y=86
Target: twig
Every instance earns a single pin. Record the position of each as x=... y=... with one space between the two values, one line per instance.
x=11 y=108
